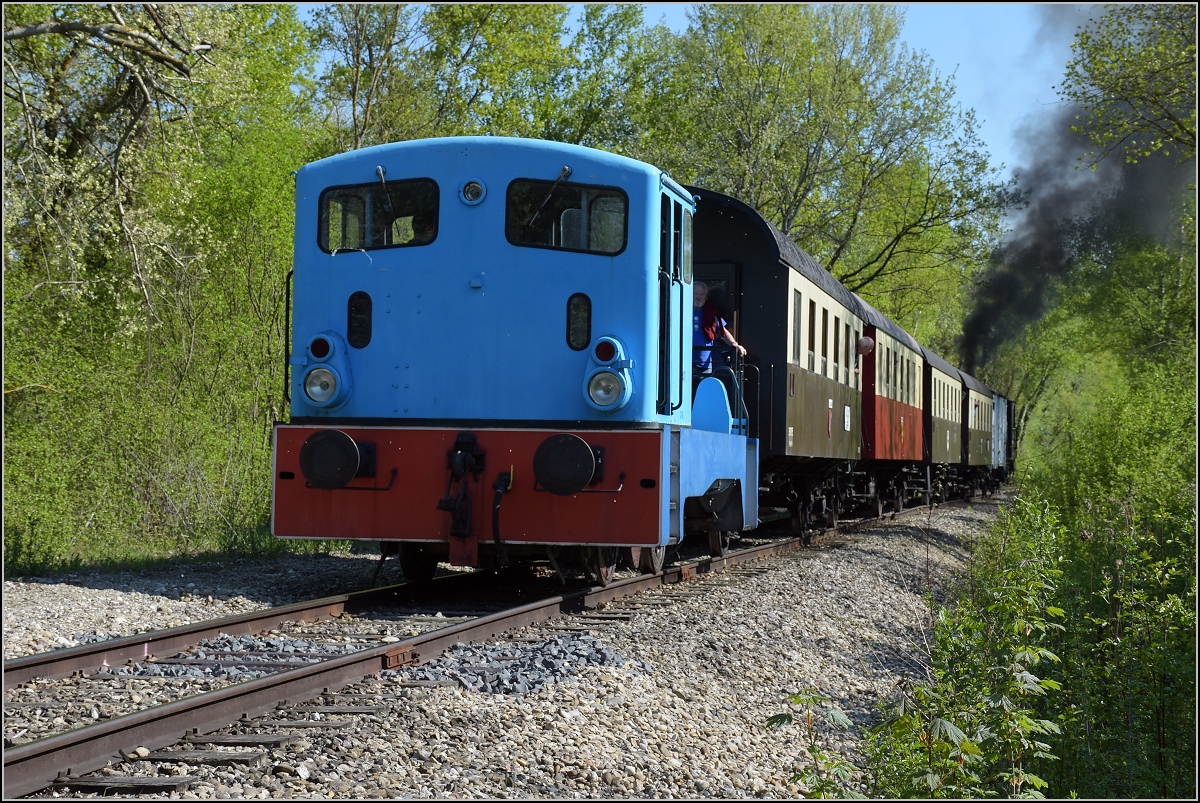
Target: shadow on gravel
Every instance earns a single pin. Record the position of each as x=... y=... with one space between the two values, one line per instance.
x=273 y=580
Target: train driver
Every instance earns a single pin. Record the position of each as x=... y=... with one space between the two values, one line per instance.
x=707 y=326
x=424 y=226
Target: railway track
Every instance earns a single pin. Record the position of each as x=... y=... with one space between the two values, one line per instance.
x=64 y=759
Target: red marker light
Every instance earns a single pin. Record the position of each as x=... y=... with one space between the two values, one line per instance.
x=605 y=351
x=319 y=348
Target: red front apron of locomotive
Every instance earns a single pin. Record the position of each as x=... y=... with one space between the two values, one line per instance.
x=408 y=510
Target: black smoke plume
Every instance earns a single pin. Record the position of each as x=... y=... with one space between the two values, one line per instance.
x=1069 y=209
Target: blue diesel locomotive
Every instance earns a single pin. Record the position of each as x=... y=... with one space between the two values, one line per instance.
x=493 y=358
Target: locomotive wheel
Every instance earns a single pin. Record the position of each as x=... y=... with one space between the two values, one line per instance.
x=719 y=542
x=631 y=558
x=831 y=517
x=602 y=563
x=898 y=501
x=417 y=564
x=653 y=558
x=878 y=506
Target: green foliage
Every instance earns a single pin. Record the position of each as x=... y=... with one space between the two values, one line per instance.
x=978 y=726
x=848 y=142
x=828 y=776
x=1128 y=492
x=144 y=287
x=1133 y=73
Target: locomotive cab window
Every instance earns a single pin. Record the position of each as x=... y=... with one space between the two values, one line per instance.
x=570 y=217
x=367 y=216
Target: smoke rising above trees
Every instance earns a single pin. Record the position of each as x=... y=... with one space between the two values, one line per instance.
x=1109 y=173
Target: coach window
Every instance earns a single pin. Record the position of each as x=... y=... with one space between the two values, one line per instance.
x=887 y=371
x=568 y=217
x=824 y=342
x=846 y=358
x=797 y=308
x=857 y=373
x=837 y=348
x=378 y=215
x=812 y=335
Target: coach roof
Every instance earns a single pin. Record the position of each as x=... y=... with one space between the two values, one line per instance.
x=794 y=257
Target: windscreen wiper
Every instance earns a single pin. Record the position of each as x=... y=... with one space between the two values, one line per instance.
x=566 y=171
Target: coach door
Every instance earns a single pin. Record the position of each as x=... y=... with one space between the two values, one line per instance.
x=723 y=289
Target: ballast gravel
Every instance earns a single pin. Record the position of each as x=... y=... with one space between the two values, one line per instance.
x=646 y=699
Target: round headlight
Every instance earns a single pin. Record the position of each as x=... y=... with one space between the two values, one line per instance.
x=605 y=388
x=320 y=385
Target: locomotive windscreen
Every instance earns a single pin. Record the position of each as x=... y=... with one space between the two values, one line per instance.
x=572 y=217
x=377 y=215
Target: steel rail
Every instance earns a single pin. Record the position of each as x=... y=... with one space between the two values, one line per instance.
x=140 y=647
x=36 y=765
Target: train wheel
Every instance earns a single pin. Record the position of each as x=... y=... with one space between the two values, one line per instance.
x=631 y=558
x=417 y=564
x=831 y=516
x=653 y=558
x=898 y=501
x=719 y=542
x=878 y=506
x=602 y=563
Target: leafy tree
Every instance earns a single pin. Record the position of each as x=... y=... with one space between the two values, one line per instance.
x=146 y=246
x=406 y=72
x=599 y=92
x=369 y=89
x=1133 y=73
x=848 y=142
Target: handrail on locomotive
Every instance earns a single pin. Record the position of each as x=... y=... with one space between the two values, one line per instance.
x=734 y=367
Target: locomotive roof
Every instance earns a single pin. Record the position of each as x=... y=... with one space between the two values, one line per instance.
x=792 y=255
x=333 y=164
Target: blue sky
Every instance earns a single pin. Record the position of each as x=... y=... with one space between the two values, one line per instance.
x=1006 y=59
